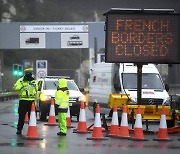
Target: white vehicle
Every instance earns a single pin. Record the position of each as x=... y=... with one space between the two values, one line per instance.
x=108 y=78
x=46 y=91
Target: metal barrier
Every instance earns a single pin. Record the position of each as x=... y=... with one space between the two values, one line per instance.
x=8 y=95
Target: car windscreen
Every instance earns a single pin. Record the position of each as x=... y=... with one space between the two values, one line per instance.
x=72 y=86
x=149 y=81
x=52 y=85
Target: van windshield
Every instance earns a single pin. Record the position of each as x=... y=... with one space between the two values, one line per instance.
x=149 y=81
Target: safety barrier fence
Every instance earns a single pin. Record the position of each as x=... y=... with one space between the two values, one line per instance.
x=8 y=95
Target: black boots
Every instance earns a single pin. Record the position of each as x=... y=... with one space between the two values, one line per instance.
x=62 y=134
x=18 y=132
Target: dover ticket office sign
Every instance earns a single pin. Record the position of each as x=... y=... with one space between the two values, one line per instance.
x=142 y=36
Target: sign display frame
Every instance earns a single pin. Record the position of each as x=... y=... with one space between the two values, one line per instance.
x=139 y=36
x=41 y=68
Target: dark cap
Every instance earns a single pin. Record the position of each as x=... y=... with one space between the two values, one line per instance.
x=28 y=70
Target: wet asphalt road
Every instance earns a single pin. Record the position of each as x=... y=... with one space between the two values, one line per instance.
x=73 y=143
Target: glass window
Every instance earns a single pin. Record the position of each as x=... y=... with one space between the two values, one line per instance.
x=72 y=86
x=149 y=81
x=51 y=85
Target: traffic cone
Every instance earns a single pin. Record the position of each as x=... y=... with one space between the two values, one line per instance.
x=52 y=117
x=81 y=128
x=138 y=131
x=162 y=133
x=68 y=119
x=97 y=131
x=124 y=131
x=32 y=128
x=26 y=119
x=114 y=128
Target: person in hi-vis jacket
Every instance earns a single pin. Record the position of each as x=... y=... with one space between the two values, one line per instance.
x=27 y=89
x=62 y=100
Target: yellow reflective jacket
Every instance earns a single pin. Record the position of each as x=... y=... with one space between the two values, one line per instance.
x=27 y=89
x=62 y=94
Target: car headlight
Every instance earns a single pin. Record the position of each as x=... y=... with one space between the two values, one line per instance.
x=166 y=101
x=133 y=100
x=82 y=98
x=44 y=97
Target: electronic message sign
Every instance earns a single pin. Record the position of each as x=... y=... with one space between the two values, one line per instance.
x=142 y=37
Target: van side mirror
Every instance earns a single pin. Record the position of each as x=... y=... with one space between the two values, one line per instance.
x=117 y=88
x=81 y=90
x=167 y=87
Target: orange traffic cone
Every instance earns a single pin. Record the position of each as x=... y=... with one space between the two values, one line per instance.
x=26 y=119
x=97 y=131
x=138 y=131
x=123 y=131
x=32 y=128
x=52 y=117
x=68 y=119
x=81 y=128
x=162 y=133
x=114 y=128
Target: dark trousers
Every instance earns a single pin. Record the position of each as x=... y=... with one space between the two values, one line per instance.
x=24 y=107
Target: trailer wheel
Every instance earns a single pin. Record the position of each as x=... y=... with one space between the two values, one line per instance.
x=170 y=123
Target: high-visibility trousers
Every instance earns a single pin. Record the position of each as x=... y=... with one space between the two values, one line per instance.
x=62 y=122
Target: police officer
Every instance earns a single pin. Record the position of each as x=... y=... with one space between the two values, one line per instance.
x=62 y=100
x=27 y=88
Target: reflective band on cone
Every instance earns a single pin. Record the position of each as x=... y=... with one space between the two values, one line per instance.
x=82 y=127
x=114 y=128
x=32 y=128
x=163 y=133
x=138 y=131
x=97 y=131
x=52 y=117
x=124 y=131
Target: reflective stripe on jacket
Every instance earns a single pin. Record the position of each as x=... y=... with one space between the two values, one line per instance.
x=27 y=89
x=62 y=98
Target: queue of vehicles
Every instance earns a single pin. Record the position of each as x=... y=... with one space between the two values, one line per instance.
x=109 y=84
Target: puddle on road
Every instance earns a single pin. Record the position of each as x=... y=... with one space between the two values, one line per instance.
x=13 y=144
x=136 y=145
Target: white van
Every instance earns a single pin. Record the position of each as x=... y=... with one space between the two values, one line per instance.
x=108 y=78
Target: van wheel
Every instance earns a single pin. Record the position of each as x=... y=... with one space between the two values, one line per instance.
x=42 y=114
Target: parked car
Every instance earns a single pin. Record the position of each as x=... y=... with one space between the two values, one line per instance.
x=46 y=91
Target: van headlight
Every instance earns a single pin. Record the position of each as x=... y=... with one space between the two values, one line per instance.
x=82 y=98
x=133 y=100
x=166 y=101
x=44 y=97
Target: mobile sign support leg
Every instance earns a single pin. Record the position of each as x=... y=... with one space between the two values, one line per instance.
x=139 y=83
